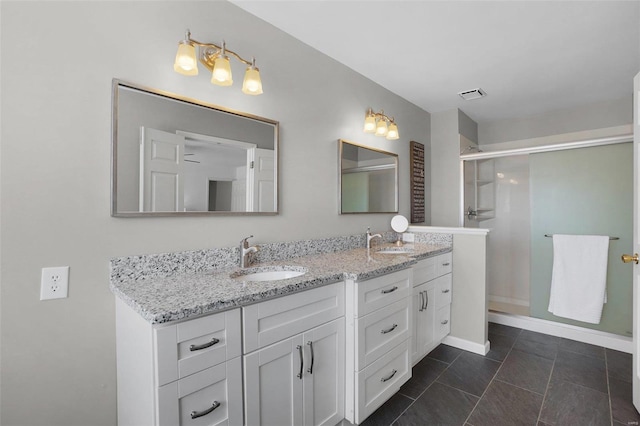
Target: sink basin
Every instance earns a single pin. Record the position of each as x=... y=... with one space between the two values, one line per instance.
x=395 y=250
x=269 y=273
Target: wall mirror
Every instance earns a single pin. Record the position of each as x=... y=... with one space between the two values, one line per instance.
x=176 y=156
x=368 y=179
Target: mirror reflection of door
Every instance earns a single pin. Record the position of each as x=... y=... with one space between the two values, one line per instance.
x=161 y=171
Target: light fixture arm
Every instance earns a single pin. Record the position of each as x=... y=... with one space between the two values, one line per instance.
x=219 y=49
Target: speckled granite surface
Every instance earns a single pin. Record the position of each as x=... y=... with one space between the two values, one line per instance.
x=174 y=286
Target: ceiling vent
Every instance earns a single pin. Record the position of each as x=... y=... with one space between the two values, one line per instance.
x=469 y=95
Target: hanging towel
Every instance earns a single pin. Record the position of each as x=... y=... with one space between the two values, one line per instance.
x=578 y=282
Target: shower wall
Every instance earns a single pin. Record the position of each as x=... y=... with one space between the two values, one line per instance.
x=497 y=190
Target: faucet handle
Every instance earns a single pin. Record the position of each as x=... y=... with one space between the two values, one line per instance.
x=244 y=240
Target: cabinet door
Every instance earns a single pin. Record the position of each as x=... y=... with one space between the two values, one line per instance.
x=272 y=388
x=324 y=374
x=424 y=309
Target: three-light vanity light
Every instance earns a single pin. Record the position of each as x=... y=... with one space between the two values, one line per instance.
x=380 y=125
x=216 y=59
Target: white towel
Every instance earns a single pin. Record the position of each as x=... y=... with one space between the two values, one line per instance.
x=578 y=283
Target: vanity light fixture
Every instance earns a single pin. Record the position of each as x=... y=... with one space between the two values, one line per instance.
x=380 y=125
x=216 y=59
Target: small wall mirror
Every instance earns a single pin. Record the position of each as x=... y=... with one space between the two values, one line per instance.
x=176 y=156
x=368 y=179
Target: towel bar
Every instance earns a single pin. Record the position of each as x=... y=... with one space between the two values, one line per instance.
x=610 y=238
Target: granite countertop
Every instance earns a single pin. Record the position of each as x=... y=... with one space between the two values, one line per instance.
x=180 y=296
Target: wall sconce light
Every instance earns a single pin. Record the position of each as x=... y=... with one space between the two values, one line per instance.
x=216 y=59
x=380 y=125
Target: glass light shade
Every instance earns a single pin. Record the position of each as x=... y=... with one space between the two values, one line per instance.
x=252 y=84
x=393 y=134
x=370 y=124
x=186 y=62
x=381 y=128
x=222 y=72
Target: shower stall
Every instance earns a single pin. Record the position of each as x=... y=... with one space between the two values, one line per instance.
x=524 y=196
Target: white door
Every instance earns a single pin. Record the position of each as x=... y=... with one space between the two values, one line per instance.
x=324 y=375
x=261 y=183
x=272 y=388
x=161 y=171
x=636 y=240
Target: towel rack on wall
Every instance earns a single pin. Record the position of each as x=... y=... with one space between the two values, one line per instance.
x=610 y=238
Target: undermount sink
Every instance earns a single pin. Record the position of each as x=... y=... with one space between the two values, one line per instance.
x=270 y=274
x=395 y=250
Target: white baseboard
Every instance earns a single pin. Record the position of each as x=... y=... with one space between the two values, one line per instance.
x=467 y=345
x=585 y=335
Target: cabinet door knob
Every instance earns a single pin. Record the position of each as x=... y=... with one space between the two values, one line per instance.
x=299 y=348
x=386 y=379
x=310 y=369
x=389 y=330
x=196 y=414
x=213 y=341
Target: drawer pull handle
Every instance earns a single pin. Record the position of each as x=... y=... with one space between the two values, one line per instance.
x=446 y=264
x=195 y=414
x=421 y=301
x=310 y=369
x=444 y=322
x=204 y=345
x=386 y=379
x=391 y=290
x=299 y=348
x=446 y=291
x=389 y=330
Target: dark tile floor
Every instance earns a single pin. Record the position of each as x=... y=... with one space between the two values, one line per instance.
x=527 y=378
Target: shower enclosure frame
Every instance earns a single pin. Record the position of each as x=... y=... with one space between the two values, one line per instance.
x=486 y=155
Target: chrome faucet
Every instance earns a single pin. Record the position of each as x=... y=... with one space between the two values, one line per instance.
x=371 y=237
x=245 y=250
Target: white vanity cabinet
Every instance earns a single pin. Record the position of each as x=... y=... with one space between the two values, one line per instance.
x=431 y=304
x=184 y=373
x=378 y=326
x=294 y=368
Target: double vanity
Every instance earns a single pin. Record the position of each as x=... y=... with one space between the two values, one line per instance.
x=309 y=334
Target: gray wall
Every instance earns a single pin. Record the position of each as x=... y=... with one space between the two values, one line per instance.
x=446 y=128
x=587 y=117
x=58 y=357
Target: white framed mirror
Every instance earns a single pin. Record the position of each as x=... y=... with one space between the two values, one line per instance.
x=367 y=180
x=176 y=156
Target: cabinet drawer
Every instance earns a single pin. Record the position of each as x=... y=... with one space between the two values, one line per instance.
x=381 y=331
x=214 y=396
x=425 y=270
x=444 y=263
x=443 y=321
x=443 y=290
x=380 y=380
x=378 y=292
x=277 y=319
x=191 y=346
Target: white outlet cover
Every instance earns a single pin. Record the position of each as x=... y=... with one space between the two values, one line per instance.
x=54 y=283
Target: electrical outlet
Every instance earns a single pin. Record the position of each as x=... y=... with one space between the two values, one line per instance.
x=54 y=283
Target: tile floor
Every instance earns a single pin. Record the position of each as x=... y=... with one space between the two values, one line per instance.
x=527 y=378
